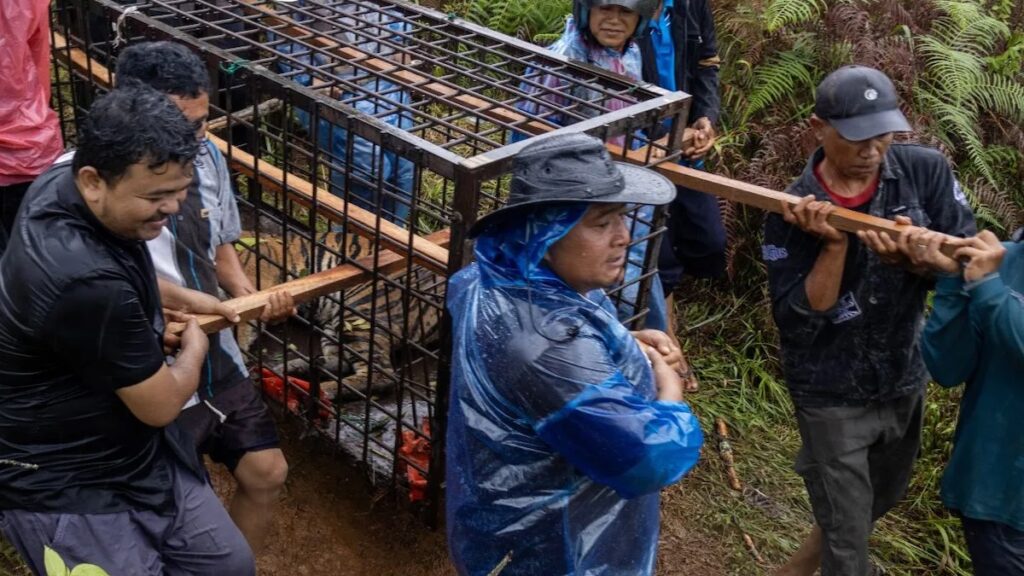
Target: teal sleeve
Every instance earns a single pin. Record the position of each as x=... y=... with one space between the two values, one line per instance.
x=950 y=343
x=1001 y=313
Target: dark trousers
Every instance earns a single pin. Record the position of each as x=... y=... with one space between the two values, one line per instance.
x=694 y=242
x=856 y=463
x=10 y=201
x=996 y=549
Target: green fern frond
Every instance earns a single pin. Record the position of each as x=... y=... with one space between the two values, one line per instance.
x=999 y=95
x=781 y=13
x=783 y=76
x=967 y=27
x=959 y=131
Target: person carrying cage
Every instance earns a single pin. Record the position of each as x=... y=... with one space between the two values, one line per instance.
x=93 y=465
x=563 y=425
x=849 y=310
x=975 y=336
x=680 y=52
x=227 y=418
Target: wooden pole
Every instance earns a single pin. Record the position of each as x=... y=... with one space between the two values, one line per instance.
x=307 y=288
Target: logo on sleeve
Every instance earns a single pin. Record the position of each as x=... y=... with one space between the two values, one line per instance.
x=958 y=193
x=846 y=309
x=771 y=253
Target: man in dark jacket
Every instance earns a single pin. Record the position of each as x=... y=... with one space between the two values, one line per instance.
x=850 y=310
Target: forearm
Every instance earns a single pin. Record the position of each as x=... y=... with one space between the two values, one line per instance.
x=949 y=344
x=171 y=295
x=1001 y=314
x=186 y=371
x=822 y=284
x=230 y=274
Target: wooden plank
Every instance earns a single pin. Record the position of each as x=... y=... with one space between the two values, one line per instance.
x=307 y=288
x=764 y=198
x=361 y=221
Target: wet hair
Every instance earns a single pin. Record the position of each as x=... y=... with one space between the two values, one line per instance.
x=131 y=125
x=166 y=66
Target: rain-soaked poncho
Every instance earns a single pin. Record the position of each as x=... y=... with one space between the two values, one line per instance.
x=557 y=447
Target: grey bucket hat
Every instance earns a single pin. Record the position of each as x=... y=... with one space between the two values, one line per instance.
x=860 y=103
x=576 y=168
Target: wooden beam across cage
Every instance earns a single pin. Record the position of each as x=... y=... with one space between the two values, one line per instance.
x=363 y=222
x=766 y=199
x=307 y=288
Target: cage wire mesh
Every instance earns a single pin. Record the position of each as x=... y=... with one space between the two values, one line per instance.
x=368 y=135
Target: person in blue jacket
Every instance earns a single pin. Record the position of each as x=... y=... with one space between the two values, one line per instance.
x=975 y=336
x=563 y=425
x=362 y=172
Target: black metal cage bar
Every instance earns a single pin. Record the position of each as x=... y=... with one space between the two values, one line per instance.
x=366 y=136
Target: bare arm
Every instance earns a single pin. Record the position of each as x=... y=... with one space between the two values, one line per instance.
x=823 y=282
x=230 y=273
x=232 y=277
x=190 y=301
x=157 y=400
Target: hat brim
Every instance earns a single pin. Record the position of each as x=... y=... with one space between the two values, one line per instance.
x=870 y=126
x=642 y=186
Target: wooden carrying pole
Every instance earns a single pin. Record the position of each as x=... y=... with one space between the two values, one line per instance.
x=304 y=289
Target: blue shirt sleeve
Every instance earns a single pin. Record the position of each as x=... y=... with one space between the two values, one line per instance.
x=949 y=343
x=1001 y=312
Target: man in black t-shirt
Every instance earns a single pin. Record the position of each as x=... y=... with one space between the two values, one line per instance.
x=91 y=465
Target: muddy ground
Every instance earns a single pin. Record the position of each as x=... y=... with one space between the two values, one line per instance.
x=330 y=524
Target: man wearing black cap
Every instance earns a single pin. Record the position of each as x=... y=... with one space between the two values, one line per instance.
x=849 y=312
x=563 y=427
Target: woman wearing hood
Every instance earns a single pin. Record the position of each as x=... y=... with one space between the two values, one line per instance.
x=563 y=425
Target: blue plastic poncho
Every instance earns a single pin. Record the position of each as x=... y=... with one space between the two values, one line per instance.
x=556 y=446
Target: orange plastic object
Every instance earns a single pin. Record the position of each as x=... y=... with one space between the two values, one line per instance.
x=273 y=385
x=416 y=448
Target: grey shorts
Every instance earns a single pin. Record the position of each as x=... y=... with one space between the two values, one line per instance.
x=198 y=538
x=856 y=463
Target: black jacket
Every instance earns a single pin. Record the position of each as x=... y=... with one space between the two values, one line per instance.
x=693 y=34
x=865 y=348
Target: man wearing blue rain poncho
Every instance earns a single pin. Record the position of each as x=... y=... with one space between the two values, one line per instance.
x=563 y=425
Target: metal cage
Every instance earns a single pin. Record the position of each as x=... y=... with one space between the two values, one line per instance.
x=367 y=134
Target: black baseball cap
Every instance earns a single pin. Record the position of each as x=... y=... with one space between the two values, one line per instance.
x=860 y=103
x=576 y=167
